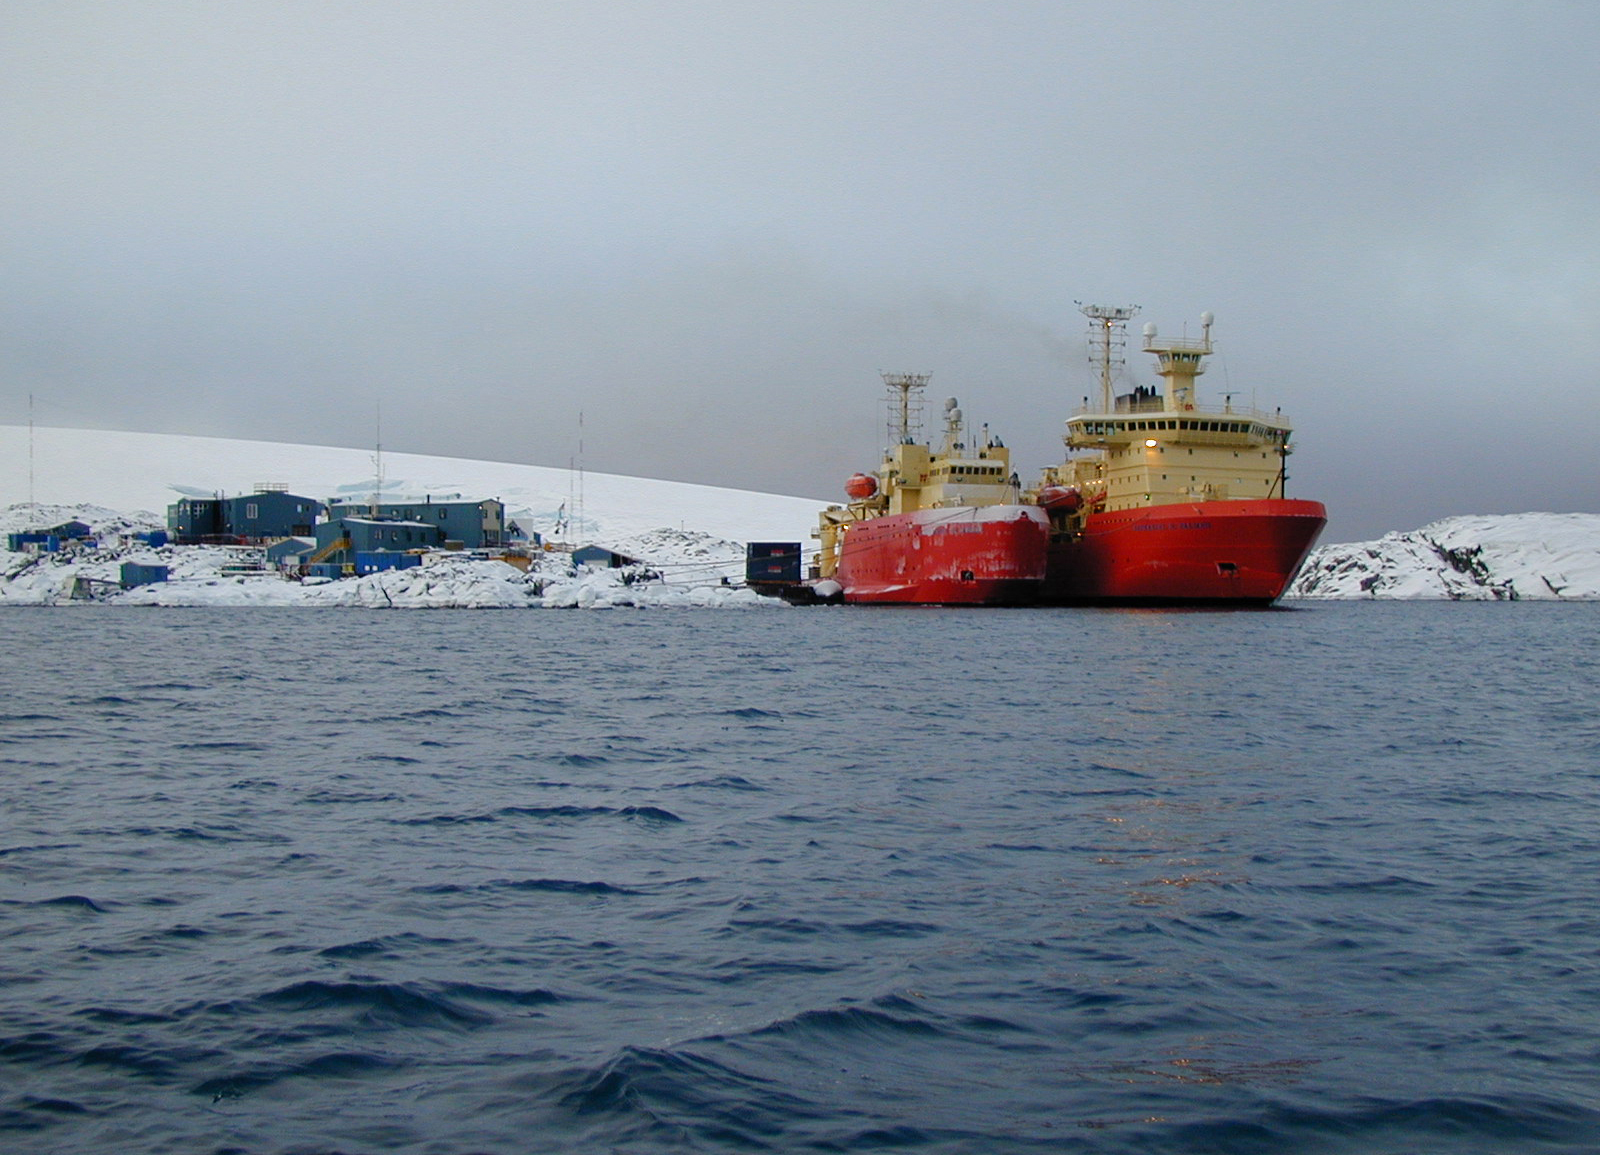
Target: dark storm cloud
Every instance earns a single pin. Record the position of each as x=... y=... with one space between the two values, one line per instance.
x=708 y=226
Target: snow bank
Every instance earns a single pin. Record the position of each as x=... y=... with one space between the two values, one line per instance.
x=90 y=475
x=149 y=471
x=680 y=568
x=1479 y=557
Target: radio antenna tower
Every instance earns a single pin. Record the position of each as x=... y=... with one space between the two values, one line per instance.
x=905 y=405
x=377 y=461
x=1108 y=342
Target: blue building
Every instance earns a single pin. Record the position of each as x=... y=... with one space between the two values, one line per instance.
x=136 y=573
x=195 y=519
x=290 y=552
x=341 y=538
x=377 y=562
x=475 y=524
x=38 y=540
x=72 y=530
x=599 y=557
x=51 y=540
x=270 y=512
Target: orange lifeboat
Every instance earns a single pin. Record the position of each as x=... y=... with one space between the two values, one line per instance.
x=1057 y=497
x=860 y=486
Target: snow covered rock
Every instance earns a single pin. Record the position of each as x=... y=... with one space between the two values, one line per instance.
x=1477 y=557
x=679 y=568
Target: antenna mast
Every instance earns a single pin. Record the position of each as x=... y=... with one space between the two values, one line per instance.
x=1108 y=342
x=377 y=462
x=905 y=405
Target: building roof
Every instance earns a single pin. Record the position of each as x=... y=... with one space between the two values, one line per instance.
x=388 y=522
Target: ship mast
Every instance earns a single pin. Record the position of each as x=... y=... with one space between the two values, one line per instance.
x=905 y=405
x=1108 y=339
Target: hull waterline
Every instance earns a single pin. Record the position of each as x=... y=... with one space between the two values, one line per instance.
x=975 y=557
x=1224 y=552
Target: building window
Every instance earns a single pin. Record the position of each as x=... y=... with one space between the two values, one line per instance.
x=252 y=511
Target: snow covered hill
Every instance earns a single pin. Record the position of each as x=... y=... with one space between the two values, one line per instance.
x=691 y=536
x=1480 y=558
x=148 y=471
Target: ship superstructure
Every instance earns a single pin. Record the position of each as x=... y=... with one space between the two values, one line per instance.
x=933 y=525
x=1161 y=499
x=1159 y=446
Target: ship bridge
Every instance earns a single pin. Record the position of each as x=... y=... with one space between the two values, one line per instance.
x=1228 y=426
x=1156 y=445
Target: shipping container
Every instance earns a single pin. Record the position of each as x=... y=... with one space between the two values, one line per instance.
x=772 y=561
x=384 y=559
x=142 y=574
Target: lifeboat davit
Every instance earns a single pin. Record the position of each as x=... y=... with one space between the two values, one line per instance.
x=1059 y=497
x=860 y=486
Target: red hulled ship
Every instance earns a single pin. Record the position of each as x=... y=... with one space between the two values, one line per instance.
x=1162 y=501
x=1159 y=502
x=941 y=526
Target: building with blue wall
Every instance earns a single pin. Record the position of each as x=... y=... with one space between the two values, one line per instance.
x=475 y=524
x=599 y=557
x=195 y=519
x=270 y=512
x=367 y=535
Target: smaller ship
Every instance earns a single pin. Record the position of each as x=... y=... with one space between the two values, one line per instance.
x=931 y=526
x=1164 y=502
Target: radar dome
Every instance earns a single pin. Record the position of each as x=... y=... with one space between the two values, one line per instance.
x=1149 y=328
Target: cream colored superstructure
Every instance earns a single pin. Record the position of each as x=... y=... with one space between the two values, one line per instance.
x=1161 y=447
x=915 y=477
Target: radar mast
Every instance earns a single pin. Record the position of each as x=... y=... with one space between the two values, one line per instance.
x=1108 y=342
x=905 y=405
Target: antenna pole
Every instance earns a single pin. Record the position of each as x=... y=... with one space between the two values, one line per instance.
x=377 y=461
x=1108 y=337
x=905 y=404
x=32 y=505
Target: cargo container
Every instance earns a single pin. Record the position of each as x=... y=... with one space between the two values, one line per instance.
x=378 y=560
x=142 y=574
x=772 y=562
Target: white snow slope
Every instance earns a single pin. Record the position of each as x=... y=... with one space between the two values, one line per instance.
x=1472 y=558
x=149 y=471
x=692 y=536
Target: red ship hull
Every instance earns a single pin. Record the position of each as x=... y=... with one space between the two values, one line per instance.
x=1218 y=552
x=982 y=556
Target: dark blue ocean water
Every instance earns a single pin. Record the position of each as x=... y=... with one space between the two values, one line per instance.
x=1324 y=879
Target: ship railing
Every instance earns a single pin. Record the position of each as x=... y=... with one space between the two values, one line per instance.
x=1177 y=344
x=1159 y=405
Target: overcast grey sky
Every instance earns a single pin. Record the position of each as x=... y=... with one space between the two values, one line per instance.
x=708 y=226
